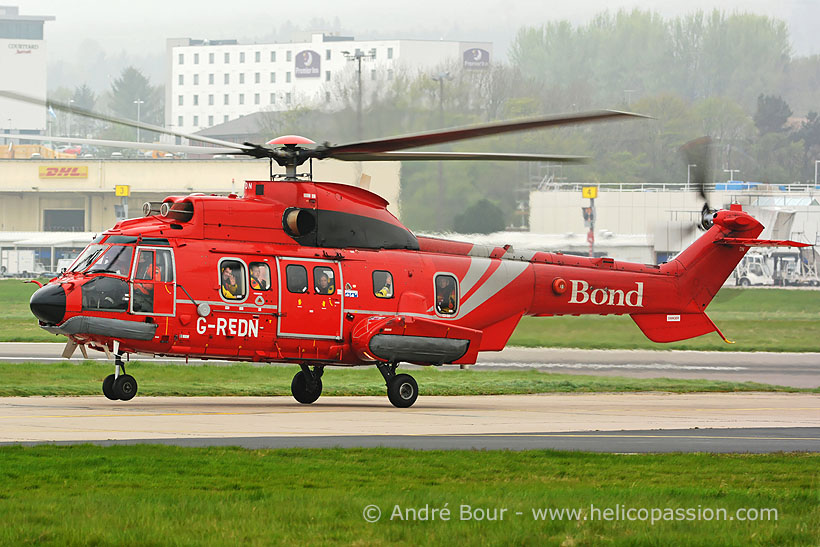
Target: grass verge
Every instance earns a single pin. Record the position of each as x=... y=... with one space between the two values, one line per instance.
x=171 y=495
x=84 y=378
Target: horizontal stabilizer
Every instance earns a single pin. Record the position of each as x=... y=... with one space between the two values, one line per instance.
x=750 y=242
x=662 y=327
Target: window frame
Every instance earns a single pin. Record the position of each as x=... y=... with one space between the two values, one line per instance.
x=335 y=288
x=132 y=278
x=392 y=284
x=270 y=278
x=435 y=294
x=287 y=279
x=244 y=280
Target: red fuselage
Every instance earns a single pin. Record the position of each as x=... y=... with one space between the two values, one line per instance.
x=322 y=273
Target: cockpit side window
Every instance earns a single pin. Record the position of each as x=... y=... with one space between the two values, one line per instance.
x=145 y=266
x=165 y=266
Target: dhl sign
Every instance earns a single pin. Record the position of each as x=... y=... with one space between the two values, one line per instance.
x=47 y=172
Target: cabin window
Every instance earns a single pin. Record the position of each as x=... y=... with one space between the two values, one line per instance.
x=232 y=279
x=446 y=294
x=324 y=281
x=382 y=284
x=116 y=260
x=260 y=276
x=297 y=278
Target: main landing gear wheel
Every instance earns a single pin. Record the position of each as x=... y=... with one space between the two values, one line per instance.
x=119 y=386
x=402 y=389
x=306 y=386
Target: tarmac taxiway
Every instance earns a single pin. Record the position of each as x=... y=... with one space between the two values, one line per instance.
x=631 y=422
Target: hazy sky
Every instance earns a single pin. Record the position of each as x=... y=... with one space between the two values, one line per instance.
x=141 y=26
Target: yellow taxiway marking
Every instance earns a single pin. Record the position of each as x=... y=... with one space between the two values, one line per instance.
x=142 y=415
x=127 y=414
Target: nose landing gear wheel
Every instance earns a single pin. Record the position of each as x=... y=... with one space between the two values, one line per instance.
x=306 y=386
x=108 y=388
x=402 y=390
x=119 y=386
x=125 y=387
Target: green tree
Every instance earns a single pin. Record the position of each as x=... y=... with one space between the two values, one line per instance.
x=778 y=159
x=483 y=217
x=730 y=127
x=809 y=135
x=129 y=87
x=637 y=53
x=83 y=97
x=772 y=114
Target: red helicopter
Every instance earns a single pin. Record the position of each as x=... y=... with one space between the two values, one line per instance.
x=318 y=274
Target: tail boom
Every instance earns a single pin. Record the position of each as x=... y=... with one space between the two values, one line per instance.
x=668 y=302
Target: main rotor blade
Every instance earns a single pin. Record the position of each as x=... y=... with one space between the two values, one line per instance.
x=470 y=132
x=114 y=119
x=203 y=150
x=449 y=156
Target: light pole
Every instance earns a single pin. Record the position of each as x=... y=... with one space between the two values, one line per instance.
x=138 y=102
x=357 y=56
x=441 y=77
x=815 y=172
x=731 y=173
x=70 y=102
x=689 y=174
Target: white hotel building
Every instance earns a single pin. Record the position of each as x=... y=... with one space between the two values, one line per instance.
x=22 y=69
x=212 y=82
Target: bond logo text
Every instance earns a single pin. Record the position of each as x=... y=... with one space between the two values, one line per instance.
x=605 y=297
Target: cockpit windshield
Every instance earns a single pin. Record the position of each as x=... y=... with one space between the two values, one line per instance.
x=88 y=256
x=116 y=260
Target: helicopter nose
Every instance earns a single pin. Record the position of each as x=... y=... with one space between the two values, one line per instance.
x=48 y=304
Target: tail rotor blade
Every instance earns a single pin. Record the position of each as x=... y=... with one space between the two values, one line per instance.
x=698 y=156
x=699 y=163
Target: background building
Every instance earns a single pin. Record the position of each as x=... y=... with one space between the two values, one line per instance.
x=664 y=214
x=214 y=81
x=23 y=69
x=50 y=208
